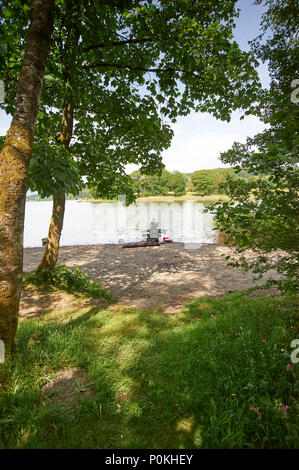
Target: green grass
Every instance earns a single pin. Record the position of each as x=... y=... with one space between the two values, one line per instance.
x=158 y=381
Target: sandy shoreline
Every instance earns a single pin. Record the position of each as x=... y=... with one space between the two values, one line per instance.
x=166 y=276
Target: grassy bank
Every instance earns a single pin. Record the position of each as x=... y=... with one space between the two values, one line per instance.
x=188 y=197
x=217 y=375
x=171 y=198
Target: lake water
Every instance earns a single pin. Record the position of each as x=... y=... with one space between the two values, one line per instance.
x=88 y=223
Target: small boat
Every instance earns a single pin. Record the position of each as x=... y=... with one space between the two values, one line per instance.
x=152 y=240
x=141 y=244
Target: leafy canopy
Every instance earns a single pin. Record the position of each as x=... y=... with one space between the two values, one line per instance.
x=131 y=68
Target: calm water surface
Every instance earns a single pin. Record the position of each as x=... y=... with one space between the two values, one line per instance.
x=88 y=223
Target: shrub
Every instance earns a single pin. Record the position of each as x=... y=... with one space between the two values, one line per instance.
x=72 y=280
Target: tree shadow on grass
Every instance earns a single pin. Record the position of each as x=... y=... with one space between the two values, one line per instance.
x=151 y=382
x=55 y=362
x=37 y=302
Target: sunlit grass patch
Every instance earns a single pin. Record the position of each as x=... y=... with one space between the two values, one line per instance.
x=215 y=375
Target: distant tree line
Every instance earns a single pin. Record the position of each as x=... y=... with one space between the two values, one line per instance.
x=159 y=185
x=201 y=182
x=207 y=182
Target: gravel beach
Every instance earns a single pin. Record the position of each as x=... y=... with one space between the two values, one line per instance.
x=165 y=276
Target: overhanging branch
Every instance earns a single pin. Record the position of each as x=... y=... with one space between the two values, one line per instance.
x=121 y=43
x=141 y=69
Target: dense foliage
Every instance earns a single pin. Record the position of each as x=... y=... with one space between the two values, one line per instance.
x=129 y=70
x=263 y=212
x=209 y=181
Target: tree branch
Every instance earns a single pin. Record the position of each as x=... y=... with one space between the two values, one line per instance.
x=116 y=43
x=122 y=43
x=94 y=111
x=142 y=69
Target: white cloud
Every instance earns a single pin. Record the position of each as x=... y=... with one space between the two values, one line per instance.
x=199 y=139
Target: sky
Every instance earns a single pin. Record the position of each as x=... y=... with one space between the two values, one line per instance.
x=199 y=138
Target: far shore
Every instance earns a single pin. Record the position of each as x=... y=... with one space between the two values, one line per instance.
x=171 y=198
x=208 y=199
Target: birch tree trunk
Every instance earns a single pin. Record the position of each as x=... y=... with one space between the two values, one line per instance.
x=14 y=161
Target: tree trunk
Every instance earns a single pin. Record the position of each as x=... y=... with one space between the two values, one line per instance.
x=14 y=161
x=52 y=248
x=50 y=257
